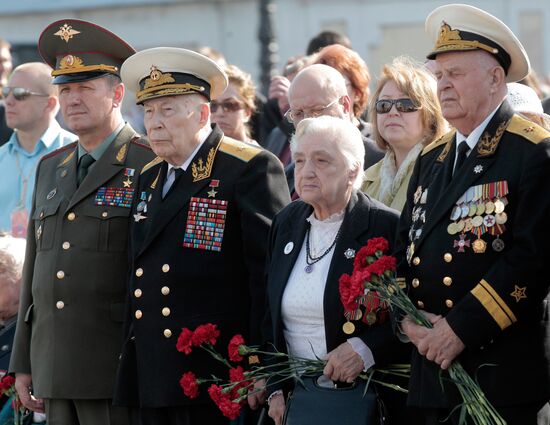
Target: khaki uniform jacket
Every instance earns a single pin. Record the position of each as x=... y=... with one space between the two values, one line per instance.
x=69 y=330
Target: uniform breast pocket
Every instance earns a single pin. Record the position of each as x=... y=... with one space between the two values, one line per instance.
x=113 y=229
x=45 y=223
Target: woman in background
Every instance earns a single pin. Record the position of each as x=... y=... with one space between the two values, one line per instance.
x=234 y=107
x=405 y=116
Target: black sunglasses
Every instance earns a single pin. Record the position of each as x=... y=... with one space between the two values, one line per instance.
x=402 y=105
x=20 y=93
x=227 y=106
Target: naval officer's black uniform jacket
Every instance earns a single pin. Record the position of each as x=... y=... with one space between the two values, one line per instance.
x=493 y=298
x=182 y=276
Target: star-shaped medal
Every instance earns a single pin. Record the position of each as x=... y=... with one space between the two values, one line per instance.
x=212 y=193
x=519 y=293
x=127 y=182
x=478 y=169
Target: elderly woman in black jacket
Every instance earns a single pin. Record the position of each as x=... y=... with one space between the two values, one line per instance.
x=313 y=242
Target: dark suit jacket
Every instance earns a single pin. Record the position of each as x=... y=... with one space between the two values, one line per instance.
x=493 y=300
x=174 y=286
x=364 y=219
x=69 y=329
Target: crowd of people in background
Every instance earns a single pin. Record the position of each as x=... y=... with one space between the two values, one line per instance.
x=331 y=157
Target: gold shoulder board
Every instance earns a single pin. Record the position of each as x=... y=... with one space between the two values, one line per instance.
x=527 y=129
x=151 y=164
x=243 y=151
x=446 y=138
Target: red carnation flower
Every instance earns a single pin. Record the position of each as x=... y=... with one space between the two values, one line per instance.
x=376 y=244
x=349 y=293
x=6 y=383
x=382 y=265
x=205 y=334
x=228 y=407
x=185 y=341
x=190 y=385
x=233 y=348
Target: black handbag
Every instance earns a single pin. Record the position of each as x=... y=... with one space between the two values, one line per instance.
x=309 y=403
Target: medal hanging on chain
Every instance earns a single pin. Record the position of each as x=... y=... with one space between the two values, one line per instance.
x=310 y=259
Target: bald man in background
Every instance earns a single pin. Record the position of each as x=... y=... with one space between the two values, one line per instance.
x=31 y=104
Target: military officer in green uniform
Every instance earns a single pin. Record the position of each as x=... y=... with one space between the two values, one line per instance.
x=198 y=238
x=69 y=331
x=474 y=235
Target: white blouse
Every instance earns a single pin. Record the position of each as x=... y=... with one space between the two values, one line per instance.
x=302 y=303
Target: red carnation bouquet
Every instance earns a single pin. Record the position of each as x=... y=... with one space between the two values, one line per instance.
x=230 y=394
x=373 y=277
x=7 y=388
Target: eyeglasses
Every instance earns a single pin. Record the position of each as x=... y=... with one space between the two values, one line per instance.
x=20 y=93
x=227 y=106
x=402 y=105
x=295 y=116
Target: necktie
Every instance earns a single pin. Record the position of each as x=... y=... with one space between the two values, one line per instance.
x=171 y=178
x=83 y=166
x=463 y=148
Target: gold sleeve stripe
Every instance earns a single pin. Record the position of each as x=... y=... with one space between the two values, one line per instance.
x=494 y=304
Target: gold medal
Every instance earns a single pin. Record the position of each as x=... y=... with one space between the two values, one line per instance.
x=468 y=225
x=489 y=207
x=451 y=229
x=357 y=314
x=479 y=246
x=460 y=226
x=472 y=211
x=499 y=206
x=348 y=328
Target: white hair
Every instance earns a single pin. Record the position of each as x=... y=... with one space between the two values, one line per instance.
x=345 y=136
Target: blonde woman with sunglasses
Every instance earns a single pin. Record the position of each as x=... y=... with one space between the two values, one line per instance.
x=405 y=116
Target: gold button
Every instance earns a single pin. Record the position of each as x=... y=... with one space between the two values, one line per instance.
x=415 y=283
x=416 y=261
x=165 y=290
x=139 y=272
x=447 y=281
x=104 y=214
x=420 y=304
x=166 y=312
x=66 y=245
x=138 y=314
x=64 y=173
x=166 y=268
x=59 y=305
x=448 y=257
x=60 y=274
x=167 y=333
x=449 y=303
x=42 y=214
x=71 y=216
x=137 y=293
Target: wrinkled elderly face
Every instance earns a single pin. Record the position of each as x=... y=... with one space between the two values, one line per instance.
x=463 y=84
x=172 y=122
x=322 y=175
